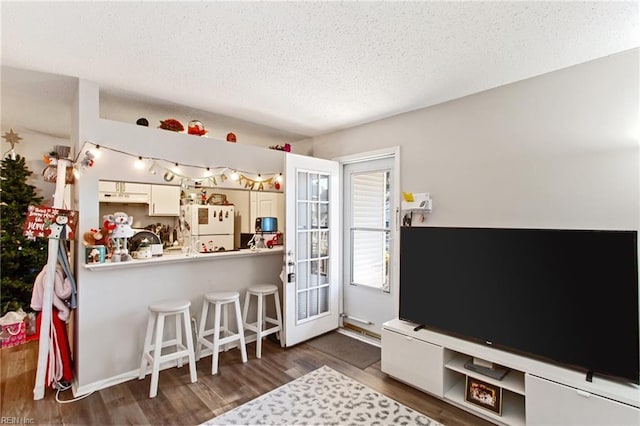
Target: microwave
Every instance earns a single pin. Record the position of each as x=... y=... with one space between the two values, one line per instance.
x=267 y=224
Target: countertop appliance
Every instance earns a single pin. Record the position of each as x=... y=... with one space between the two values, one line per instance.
x=267 y=224
x=209 y=228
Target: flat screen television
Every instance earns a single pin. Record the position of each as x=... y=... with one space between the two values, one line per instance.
x=565 y=296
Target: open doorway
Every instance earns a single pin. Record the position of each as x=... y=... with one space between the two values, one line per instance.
x=370 y=252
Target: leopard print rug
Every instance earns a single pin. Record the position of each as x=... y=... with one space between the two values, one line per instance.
x=323 y=397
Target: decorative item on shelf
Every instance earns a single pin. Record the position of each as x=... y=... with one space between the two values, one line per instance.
x=120 y=224
x=95 y=254
x=231 y=137
x=171 y=124
x=143 y=122
x=286 y=147
x=195 y=127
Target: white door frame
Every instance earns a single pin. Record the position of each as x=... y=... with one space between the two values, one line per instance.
x=395 y=208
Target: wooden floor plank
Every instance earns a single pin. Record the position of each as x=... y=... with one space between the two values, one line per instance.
x=180 y=402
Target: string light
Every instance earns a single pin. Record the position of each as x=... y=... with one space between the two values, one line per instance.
x=214 y=176
x=139 y=164
x=96 y=152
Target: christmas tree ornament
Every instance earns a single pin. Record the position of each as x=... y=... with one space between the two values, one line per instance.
x=12 y=138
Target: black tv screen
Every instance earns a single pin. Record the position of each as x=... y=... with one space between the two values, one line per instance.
x=565 y=296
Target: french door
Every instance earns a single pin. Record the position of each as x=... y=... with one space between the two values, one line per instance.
x=312 y=245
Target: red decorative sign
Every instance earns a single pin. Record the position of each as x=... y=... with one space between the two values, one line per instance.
x=49 y=222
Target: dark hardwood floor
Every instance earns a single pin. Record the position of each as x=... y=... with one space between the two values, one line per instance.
x=180 y=402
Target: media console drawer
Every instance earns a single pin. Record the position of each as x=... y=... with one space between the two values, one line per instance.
x=413 y=361
x=549 y=403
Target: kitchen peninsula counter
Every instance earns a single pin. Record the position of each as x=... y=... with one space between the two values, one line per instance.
x=175 y=256
x=116 y=296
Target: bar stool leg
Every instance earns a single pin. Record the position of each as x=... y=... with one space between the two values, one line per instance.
x=189 y=338
x=243 y=349
x=147 y=346
x=157 y=351
x=224 y=329
x=245 y=307
x=259 y=326
x=279 y=317
x=216 y=339
x=201 y=327
x=178 y=337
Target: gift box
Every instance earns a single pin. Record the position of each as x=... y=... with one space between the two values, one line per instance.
x=13 y=334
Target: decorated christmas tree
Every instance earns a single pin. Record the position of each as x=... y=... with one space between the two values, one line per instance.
x=21 y=258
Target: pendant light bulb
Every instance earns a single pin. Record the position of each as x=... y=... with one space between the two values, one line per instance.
x=279 y=178
x=176 y=168
x=234 y=175
x=207 y=173
x=139 y=164
x=96 y=152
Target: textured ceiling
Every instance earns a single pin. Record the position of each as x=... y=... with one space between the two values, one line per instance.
x=310 y=68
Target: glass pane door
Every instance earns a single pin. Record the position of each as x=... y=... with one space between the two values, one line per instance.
x=312 y=280
x=312 y=238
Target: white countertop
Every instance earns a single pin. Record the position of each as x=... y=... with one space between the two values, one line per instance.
x=176 y=256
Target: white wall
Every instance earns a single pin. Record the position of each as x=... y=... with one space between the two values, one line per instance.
x=558 y=150
x=33 y=147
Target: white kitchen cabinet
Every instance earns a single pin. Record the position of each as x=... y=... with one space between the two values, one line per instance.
x=265 y=204
x=123 y=192
x=164 y=200
x=549 y=403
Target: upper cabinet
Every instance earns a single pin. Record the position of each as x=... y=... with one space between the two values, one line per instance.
x=123 y=192
x=164 y=200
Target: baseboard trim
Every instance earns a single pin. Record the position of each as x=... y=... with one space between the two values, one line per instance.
x=81 y=390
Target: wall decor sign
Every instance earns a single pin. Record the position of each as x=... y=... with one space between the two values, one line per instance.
x=49 y=222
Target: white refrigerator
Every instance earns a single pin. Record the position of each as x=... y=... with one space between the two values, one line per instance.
x=209 y=228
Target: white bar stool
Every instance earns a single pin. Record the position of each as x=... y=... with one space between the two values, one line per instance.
x=220 y=300
x=262 y=291
x=157 y=313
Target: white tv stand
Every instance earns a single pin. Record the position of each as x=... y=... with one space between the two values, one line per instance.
x=533 y=392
